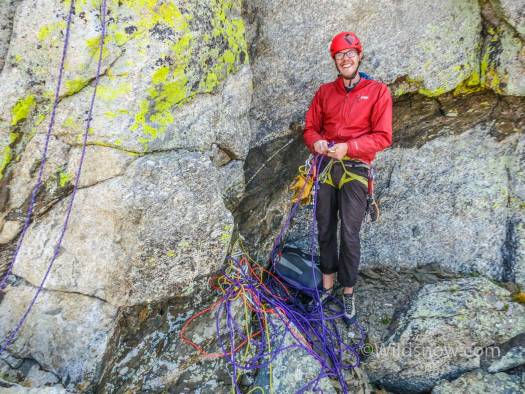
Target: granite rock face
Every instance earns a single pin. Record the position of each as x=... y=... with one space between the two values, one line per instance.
x=417 y=58
x=133 y=229
x=163 y=166
x=452 y=208
x=287 y=60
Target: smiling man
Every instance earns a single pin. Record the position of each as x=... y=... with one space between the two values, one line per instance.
x=348 y=122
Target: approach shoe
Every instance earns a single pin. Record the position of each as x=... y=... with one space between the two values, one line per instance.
x=349 y=306
x=326 y=295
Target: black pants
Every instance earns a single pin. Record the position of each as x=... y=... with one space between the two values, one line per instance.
x=348 y=204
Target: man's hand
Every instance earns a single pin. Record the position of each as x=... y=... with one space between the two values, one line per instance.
x=321 y=147
x=338 y=151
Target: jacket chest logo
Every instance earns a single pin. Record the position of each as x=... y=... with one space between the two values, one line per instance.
x=362 y=98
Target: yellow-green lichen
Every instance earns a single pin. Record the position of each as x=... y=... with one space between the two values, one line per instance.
x=63 y=178
x=470 y=85
x=13 y=137
x=226 y=234
x=170 y=85
x=93 y=46
x=406 y=85
x=232 y=31
x=39 y=119
x=160 y=75
x=194 y=62
x=183 y=245
x=490 y=77
x=8 y=152
x=21 y=109
x=7 y=156
x=432 y=93
x=169 y=89
x=74 y=86
x=116 y=114
x=46 y=31
x=71 y=124
x=110 y=93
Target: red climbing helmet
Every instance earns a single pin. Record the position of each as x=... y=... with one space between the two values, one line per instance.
x=345 y=40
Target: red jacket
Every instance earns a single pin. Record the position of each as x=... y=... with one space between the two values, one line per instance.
x=362 y=117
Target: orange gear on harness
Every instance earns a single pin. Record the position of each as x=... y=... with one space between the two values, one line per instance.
x=303 y=185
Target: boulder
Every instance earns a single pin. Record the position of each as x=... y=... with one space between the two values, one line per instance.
x=52 y=335
x=444 y=332
x=161 y=219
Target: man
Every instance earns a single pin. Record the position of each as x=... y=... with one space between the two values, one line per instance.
x=348 y=122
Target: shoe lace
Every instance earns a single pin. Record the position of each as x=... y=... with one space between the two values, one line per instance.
x=348 y=302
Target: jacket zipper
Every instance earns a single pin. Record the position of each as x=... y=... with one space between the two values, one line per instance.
x=345 y=111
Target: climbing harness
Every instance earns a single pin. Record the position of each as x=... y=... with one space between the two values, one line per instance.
x=3 y=283
x=348 y=176
x=302 y=185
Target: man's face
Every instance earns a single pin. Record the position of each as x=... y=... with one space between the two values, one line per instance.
x=347 y=62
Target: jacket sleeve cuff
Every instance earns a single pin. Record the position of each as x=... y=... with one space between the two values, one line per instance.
x=353 y=148
x=313 y=141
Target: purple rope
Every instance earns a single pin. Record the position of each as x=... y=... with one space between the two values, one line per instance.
x=12 y=336
x=333 y=346
x=278 y=240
